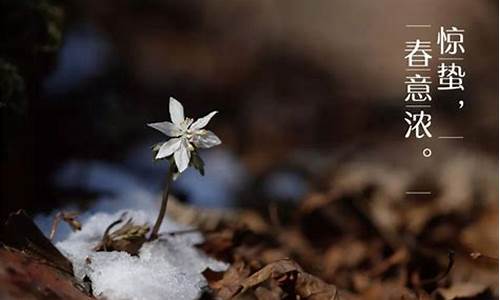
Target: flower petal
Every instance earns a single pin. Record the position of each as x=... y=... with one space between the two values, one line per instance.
x=176 y=111
x=182 y=157
x=202 y=122
x=166 y=128
x=205 y=139
x=168 y=148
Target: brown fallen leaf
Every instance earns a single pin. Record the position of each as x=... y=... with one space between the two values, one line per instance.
x=389 y=290
x=227 y=285
x=287 y=272
x=463 y=290
x=263 y=293
x=26 y=277
x=271 y=271
x=219 y=244
x=347 y=253
x=400 y=256
x=477 y=256
x=482 y=235
x=19 y=232
x=469 y=270
x=31 y=267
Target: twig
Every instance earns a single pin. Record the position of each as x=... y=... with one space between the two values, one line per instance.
x=187 y=231
x=68 y=217
x=55 y=224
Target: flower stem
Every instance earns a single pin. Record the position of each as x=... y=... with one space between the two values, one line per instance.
x=163 y=208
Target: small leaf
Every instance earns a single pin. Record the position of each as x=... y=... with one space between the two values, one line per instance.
x=197 y=163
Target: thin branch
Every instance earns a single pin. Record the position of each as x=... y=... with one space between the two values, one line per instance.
x=186 y=231
x=68 y=217
x=55 y=224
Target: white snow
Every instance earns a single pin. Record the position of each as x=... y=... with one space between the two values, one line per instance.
x=168 y=268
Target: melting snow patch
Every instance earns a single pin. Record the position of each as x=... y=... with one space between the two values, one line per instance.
x=168 y=268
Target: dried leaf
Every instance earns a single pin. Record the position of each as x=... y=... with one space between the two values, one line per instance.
x=128 y=238
x=462 y=290
x=19 y=232
x=287 y=272
x=229 y=285
x=25 y=277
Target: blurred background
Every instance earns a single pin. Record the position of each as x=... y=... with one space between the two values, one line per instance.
x=310 y=95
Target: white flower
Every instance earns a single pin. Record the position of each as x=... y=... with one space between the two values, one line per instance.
x=185 y=135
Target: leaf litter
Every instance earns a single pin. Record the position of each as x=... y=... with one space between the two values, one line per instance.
x=354 y=238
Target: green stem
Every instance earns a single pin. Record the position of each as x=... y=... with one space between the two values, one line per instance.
x=163 y=208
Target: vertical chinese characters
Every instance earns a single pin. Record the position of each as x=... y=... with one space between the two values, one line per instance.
x=418 y=89
x=418 y=83
x=451 y=42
